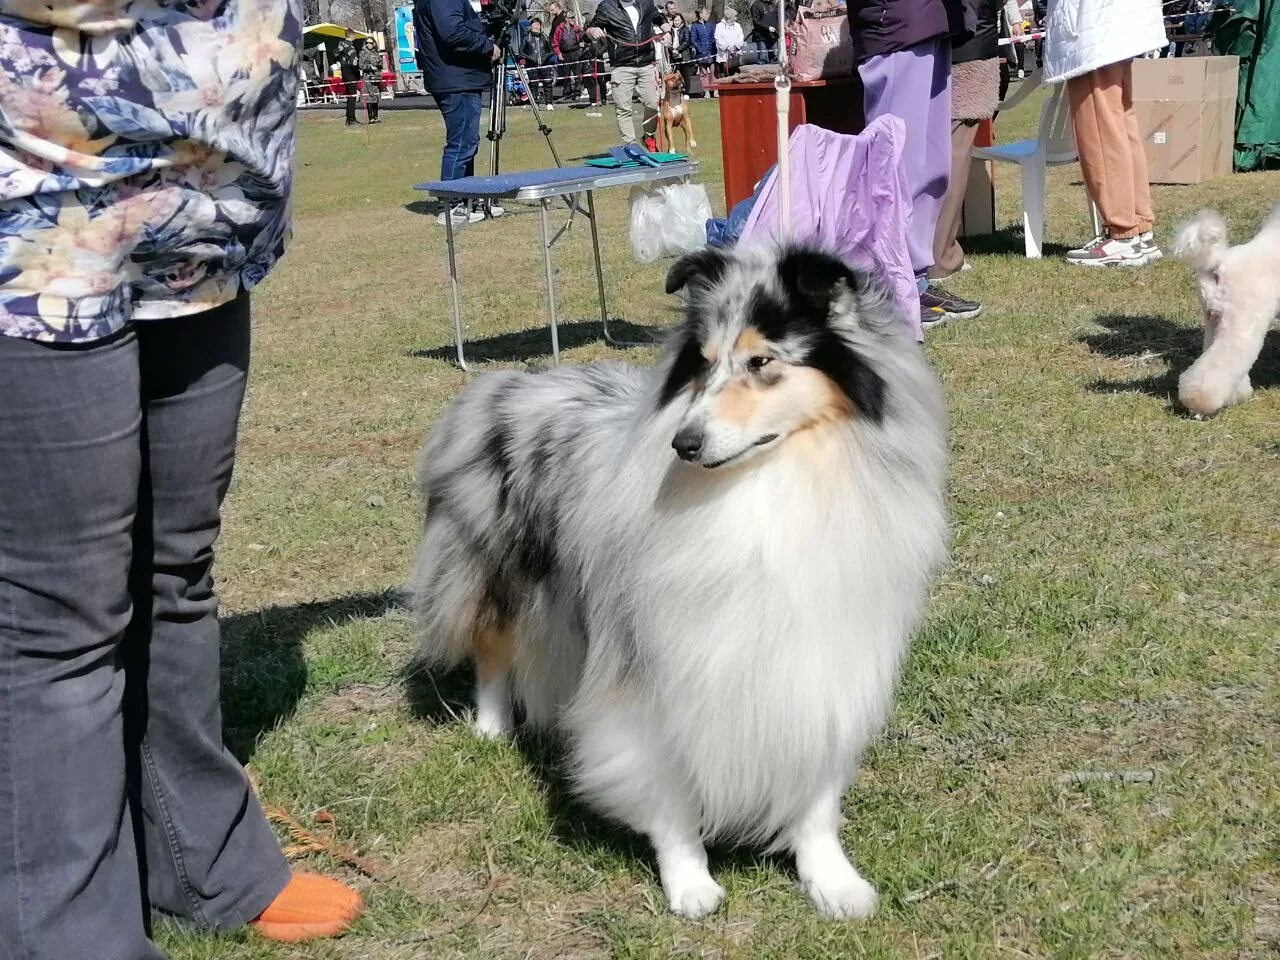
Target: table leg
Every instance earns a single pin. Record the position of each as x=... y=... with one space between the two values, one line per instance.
x=551 y=282
x=453 y=285
x=595 y=253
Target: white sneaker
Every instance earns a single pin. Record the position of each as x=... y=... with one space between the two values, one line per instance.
x=495 y=211
x=1110 y=253
x=459 y=213
x=1148 y=243
x=475 y=214
x=550 y=106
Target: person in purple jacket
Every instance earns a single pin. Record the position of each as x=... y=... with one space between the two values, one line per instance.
x=903 y=51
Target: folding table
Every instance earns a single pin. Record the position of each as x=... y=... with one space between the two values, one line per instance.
x=543 y=187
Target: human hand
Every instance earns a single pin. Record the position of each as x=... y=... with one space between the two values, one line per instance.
x=496 y=55
x=595 y=33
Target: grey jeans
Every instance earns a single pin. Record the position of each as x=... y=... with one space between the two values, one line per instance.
x=116 y=793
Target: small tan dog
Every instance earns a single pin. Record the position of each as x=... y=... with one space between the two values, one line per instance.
x=1240 y=294
x=675 y=112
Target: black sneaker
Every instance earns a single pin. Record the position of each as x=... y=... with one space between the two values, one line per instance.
x=938 y=305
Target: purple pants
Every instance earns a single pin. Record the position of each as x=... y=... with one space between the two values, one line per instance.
x=915 y=84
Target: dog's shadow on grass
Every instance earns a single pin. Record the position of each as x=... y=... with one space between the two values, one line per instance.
x=535 y=344
x=446 y=696
x=264 y=671
x=1155 y=338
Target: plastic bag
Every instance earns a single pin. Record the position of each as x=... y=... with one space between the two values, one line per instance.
x=668 y=219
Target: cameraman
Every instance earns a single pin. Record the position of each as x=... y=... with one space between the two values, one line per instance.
x=629 y=26
x=456 y=54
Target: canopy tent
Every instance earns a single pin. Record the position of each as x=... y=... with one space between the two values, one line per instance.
x=319 y=45
x=322 y=33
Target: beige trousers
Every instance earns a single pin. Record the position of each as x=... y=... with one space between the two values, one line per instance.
x=1111 y=154
x=635 y=81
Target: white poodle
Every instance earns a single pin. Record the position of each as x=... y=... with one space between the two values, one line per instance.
x=1240 y=295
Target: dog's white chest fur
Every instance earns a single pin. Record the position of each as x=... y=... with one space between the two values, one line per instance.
x=770 y=682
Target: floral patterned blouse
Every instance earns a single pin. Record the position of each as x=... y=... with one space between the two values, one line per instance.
x=146 y=156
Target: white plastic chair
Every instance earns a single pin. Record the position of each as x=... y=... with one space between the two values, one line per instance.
x=1054 y=145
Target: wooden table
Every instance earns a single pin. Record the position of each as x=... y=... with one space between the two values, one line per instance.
x=749 y=117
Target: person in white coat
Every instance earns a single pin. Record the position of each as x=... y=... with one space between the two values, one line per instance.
x=1091 y=45
x=729 y=40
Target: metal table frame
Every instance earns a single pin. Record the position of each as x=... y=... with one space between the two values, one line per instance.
x=586 y=180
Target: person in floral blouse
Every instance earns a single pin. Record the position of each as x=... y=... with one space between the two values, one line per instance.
x=146 y=154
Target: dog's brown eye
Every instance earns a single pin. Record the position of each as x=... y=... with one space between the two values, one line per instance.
x=756 y=364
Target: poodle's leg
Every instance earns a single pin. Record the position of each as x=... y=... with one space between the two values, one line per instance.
x=1221 y=375
x=831 y=881
x=1242 y=392
x=493 y=649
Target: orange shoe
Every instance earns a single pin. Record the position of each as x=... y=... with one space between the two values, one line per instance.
x=309 y=907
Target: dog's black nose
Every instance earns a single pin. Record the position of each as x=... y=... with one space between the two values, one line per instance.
x=688 y=443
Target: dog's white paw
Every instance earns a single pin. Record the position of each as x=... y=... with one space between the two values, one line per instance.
x=493 y=725
x=693 y=144
x=842 y=895
x=694 y=898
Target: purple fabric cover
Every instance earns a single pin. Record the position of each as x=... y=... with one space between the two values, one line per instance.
x=849 y=195
x=915 y=84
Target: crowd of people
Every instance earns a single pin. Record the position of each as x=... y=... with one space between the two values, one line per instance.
x=937 y=64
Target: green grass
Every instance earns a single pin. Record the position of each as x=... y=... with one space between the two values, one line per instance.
x=1111 y=604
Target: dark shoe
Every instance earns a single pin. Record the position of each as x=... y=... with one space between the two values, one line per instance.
x=938 y=305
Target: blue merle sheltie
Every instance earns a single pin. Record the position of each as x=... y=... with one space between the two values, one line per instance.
x=704 y=575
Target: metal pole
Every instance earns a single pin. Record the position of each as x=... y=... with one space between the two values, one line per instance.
x=782 y=87
x=595 y=252
x=551 y=282
x=453 y=284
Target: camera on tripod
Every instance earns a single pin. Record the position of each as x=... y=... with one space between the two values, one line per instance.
x=499 y=16
x=500 y=19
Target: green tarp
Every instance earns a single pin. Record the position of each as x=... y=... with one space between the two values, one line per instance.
x=1251 y=31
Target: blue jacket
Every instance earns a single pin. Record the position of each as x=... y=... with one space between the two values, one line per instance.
x=702 y=37
x=454 y=49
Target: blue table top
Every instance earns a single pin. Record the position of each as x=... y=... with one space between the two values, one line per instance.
x=556 y=181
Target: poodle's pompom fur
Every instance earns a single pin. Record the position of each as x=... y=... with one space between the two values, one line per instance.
x=1201 y=241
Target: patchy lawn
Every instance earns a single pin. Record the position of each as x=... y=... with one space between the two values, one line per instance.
x=1112 y=605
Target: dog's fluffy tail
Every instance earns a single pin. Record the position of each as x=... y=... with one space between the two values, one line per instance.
x=1201 y=241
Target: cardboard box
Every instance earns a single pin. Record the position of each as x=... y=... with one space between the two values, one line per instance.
x=1186 y=109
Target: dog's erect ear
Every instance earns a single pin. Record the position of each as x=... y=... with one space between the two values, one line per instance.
x=706 y=265
x=816 y=278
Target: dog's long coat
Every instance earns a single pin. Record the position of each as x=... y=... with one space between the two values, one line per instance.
x=718 y=638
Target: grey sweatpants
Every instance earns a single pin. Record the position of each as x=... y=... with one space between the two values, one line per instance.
x=639 y=82
x=116 y=793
